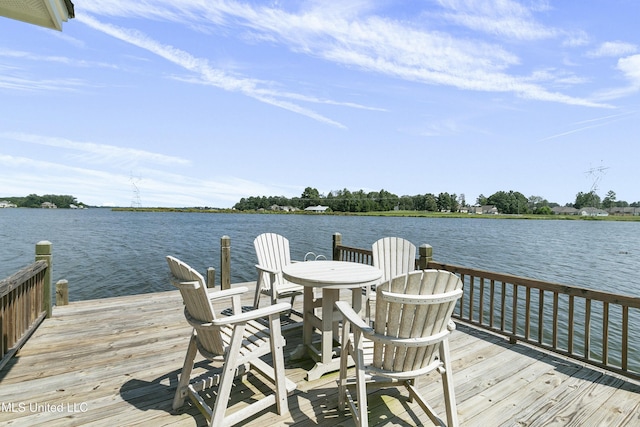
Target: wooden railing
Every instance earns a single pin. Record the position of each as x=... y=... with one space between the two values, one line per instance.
x=365 y=256
x=583 y=324
x=22 y=307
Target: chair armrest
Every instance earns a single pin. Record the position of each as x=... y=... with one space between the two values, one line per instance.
x=252 y=315
x=215 y=295
x=352 y=317
x=266 y=269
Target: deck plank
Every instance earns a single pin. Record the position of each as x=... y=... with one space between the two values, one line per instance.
x=115 y=361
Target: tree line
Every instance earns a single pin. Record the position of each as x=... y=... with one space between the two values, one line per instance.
x=35 y=201
x=507 y=202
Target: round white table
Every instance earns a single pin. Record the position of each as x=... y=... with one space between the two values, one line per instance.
x=331 y=277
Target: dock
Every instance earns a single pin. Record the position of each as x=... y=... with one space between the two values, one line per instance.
x=115 y=362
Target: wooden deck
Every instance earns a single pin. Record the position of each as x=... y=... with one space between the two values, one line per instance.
x=114 y=362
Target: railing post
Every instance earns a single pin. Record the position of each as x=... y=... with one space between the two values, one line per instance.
x=337 y=241
x=211 y=277
x=62 y=292
x=425 y=252
x=225 y=262
x=44 y=253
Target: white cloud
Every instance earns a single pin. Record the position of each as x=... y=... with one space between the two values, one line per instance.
x=503 y=18
x=98 y=153
x=612 y=49
x=209 y=75
x=630 y=67
x=355 y=37
x=100 y=187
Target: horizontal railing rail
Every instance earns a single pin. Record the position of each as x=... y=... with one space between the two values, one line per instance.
x=594 y=327
x=22 y=307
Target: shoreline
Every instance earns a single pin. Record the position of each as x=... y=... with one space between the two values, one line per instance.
x=414 y=214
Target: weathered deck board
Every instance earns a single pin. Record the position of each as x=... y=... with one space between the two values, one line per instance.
x=115 y=362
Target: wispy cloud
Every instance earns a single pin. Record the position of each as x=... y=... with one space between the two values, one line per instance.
x=356 y=37
x=501 y=18
x=101 y=187
x=612 y=49
x=583 y=125
x=7 y=53
x=26 y=78
x=209 y=75
x=98 y=153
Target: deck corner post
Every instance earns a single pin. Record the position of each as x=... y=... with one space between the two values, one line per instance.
x=337 y=241
x=62 y=292
x=44 y=253
x=225 y=262
x=425 y=252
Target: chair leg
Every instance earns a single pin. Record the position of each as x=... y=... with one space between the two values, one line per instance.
x=344 y=360
x=447 y=384
x=361 y=385
x=277 y=351
x=256 y=298
x=227 y=377
x=185 y=374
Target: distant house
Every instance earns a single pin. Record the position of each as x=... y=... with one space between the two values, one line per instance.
x=564 y=210
x=7 y=204
x=592 y=212
x=282 y=208
x=484 y=210
x=625 y=211
x=318 y=209
x=48 y=205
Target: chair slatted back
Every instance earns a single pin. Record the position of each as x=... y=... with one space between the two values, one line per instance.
x=273 y=253
x=416 y=308
x=394 y=256
x=198 y=308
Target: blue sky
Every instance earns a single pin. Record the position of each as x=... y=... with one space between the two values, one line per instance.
x=201 y=103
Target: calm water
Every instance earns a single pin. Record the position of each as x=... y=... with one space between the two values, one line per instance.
x=104 y=253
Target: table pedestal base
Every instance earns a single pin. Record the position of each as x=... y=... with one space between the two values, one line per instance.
x=327 y=357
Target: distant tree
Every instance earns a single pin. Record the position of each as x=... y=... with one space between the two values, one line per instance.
x=406 y=203
x=609 y=200
x=543 y=210
x=386 y=201
x=590 y=199
x=512 y=202
x=310 y=197
x=32 y=201
x=536 y=202
x=431 y=204
x=443 y=202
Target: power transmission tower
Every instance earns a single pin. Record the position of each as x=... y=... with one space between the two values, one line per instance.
x=596 y=174
x=135 y=201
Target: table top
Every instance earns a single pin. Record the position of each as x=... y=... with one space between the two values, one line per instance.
x=332 y=274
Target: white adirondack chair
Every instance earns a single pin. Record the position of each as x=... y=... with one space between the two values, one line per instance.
x=410 y=338
x=234 y=344
x=273 y=254
x=394 y=256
